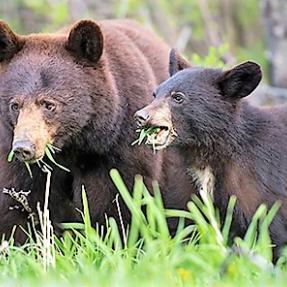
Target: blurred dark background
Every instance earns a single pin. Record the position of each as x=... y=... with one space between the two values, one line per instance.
x=208 y=32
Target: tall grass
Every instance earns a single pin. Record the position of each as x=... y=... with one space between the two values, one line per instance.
x=144 y=253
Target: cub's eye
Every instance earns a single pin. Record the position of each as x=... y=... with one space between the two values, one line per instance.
x=177 y=97
x=49 y=106
x=15 y=107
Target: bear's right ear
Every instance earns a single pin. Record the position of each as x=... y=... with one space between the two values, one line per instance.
x=240 y=81
x=10 y=43
x=86 y=41
x=176 y=63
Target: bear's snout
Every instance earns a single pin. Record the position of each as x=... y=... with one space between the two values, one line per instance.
x=156 y=114
x=141 y=117
x=31 y=134
x=24 y=150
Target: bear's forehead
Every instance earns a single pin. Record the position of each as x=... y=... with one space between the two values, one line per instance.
x=30 y=74
x=198 y=75
x=31 y=66
x=42 y=57
x=190 y=79
x=40 y=49
x=42 y=41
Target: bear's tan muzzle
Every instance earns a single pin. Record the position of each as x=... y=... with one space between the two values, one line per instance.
x=31 y=135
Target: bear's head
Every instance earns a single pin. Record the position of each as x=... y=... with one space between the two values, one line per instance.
x=197 y=106
x=56 y=89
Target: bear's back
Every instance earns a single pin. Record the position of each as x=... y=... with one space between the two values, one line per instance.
x=128 y=35
x=154 y=49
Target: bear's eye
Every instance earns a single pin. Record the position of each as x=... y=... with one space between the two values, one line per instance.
x=177 y=97
x=15 y=107
x=49 y=106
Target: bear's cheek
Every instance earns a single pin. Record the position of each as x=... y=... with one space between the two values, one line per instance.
x=66 y=133
x=178 y=119
x=62 y=138
x=183 y=125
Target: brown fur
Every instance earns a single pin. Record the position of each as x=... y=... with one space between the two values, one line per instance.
x=78 y=89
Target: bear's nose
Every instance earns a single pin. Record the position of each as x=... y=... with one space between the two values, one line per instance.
x=141 y=117
x=24 y=150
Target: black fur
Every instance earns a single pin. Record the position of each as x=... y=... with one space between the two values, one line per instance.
x=244 y=146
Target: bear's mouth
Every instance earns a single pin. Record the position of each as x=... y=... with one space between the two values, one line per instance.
x=34 y=160
x=161 y=137
x=48 y=155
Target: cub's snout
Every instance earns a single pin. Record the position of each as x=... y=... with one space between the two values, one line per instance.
x=157 y=116
x=141 y=117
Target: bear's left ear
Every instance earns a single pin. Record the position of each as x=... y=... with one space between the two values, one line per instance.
x=86 y=41
x=240 y=81
x=10 y=43
x=176 y=63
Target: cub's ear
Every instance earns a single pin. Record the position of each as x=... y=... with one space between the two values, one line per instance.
x=10 y=43
x=86 y=41
x=176 y=63
x=240 y=81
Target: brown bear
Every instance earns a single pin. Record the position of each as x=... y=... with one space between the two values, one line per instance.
x=231 y=147
x=78 y=90
x=16 y=184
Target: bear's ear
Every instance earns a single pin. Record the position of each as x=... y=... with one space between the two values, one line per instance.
x=176 y=63
x=10 y=43
x=240 y=81
x=86 y=41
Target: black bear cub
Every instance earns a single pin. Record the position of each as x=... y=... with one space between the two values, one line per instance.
x=230 y=146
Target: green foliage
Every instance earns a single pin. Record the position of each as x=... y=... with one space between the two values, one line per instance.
x=145 y=254
x=231 y=24
x=212 y=59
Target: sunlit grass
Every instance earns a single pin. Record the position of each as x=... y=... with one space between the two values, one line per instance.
x=145 y=253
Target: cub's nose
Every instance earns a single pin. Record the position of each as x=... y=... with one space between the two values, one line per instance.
x=24 y=150
x=141 y=117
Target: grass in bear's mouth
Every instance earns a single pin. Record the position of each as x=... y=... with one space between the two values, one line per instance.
x=10 y=156
x=49 y=151
x=149 y=134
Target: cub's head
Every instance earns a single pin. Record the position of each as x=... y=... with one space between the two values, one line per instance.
x=196 y=106
x=54 y=89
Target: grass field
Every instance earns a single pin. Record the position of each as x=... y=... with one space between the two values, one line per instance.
x=146 y=254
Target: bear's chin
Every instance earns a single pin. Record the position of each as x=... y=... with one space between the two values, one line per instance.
x=162 y=139
x=33 y=161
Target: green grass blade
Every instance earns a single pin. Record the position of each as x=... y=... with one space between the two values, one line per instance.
x=252 y=231
x=71 y=225
x=125 y=194
x=86 y=214
x=10 y=156
x=29 y=169
x=228 y=218
x=50 y=157
x=134 y=231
